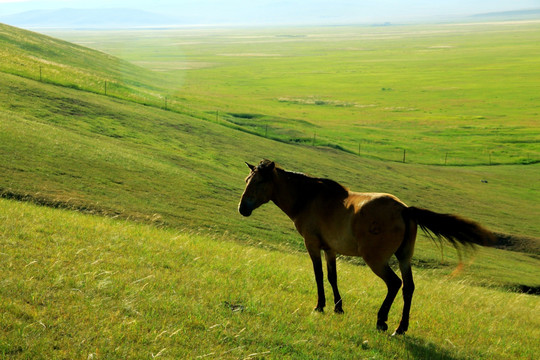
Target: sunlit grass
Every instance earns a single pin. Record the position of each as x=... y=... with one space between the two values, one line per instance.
x=448 y=94
x=77 y=286
x=212 y=284
x=148 y=162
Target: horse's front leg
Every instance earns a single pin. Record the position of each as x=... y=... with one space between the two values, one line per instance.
x=332 y=279
x=315 y=255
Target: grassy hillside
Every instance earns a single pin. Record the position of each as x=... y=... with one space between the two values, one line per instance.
x=179 y=274
x=458 y=94
x=51 y=60
x=68 y=148
x=77 y=286
x=90 y=151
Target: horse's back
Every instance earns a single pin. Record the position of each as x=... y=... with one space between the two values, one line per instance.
x=375 y=204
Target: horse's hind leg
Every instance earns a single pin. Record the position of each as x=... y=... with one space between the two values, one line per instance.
x=408 y=290
x=332 y=279
x=404 y=255
x=393 y=283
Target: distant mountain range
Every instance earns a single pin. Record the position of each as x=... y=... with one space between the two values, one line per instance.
x=130 y=18
x=511 y=14
x=88 y=18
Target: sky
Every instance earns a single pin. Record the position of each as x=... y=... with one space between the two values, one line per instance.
x=279 y=11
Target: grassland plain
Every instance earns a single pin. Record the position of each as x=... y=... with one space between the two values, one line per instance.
x=63 y=147
x=447 y=94
x=182 y=137
x=66 y=148
x=77 y=286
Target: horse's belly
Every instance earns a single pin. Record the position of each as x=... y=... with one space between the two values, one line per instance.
x=343 y=242
x=337 y=231
x=348 y=249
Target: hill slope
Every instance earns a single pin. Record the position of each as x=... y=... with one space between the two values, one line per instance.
x=63 y=147
x=191 y=277
x=78 y=286
x=51 y=60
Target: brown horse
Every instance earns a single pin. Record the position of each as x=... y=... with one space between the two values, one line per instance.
x=374 y=226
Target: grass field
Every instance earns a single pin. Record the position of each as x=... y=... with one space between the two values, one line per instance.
x=179 y=273
x=54 y=61
x=91 y=152
x=76 y=286
x=455 y=94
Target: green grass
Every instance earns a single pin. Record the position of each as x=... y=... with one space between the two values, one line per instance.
x=79 y=286
x=83 y=150
x=58 y=62
x=165 y=277
x=448 y=94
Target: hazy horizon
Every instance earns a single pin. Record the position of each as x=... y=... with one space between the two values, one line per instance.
x=284 y=12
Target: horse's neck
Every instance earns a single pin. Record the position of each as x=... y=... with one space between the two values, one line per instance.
x=288 y=192
x=294 y=191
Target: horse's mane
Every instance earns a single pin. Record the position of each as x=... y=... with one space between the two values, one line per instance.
x=314 y=185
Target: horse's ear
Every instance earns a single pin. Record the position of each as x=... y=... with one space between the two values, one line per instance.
x=251 y=167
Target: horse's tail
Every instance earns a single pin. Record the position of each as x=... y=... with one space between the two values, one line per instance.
x=452 y=228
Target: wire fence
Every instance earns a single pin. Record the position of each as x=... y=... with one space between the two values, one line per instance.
x=251 y=124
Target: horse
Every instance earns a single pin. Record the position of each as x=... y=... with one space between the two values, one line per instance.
x=374 y=226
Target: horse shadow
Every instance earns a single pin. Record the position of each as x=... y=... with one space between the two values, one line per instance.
x=418 y=348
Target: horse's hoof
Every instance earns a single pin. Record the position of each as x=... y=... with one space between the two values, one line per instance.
x=339 y=310
x=398 y=332
x=319 y=309
x=381 y=326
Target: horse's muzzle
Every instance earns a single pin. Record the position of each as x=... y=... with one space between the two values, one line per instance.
x=245 y=209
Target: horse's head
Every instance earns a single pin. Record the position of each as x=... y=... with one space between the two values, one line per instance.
x=259 y=187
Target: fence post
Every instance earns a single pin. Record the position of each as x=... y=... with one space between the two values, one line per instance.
x=404 y=152
x=105 y=88
x=40 y=78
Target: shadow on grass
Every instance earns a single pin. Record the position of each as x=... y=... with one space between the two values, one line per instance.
x=418 y=348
